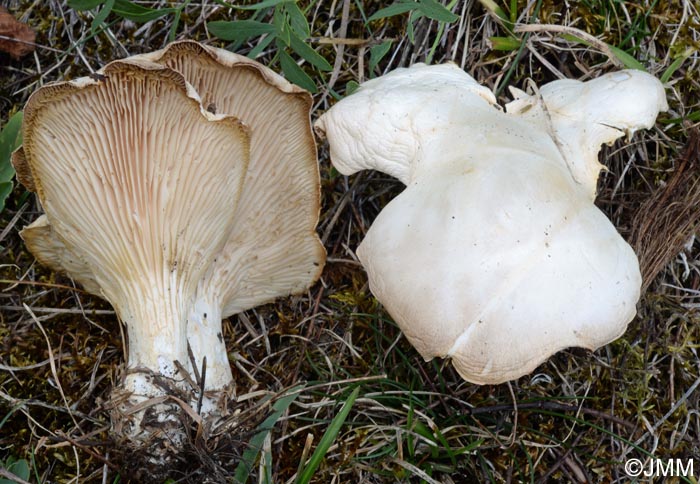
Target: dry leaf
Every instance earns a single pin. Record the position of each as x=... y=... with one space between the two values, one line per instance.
x=16 y=38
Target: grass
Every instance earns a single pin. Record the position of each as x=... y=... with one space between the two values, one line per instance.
x=328 y=389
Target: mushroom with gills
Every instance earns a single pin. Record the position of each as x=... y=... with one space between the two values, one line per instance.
x=495 y=254
x=143 y=208
x=274 y=249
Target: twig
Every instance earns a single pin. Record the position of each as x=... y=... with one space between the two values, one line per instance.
x=14 y=220
x=62 y=356
x=97 y=312
x=338 y=64
x=515 y=415
x=560 y=407
x=415 y=471
x=37 y=283
x=201 y=385
x=16 y=402
x=87 y=448
x=33 y=44
x=339 y=41
x=562 y=29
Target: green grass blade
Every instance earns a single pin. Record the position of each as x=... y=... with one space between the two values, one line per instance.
x=445 y=446
x=98 y=21
x=239 y=29
x=263 y=43
x=495 y=9
x=10 y=139
x=138 y=13
x=20 y=468
x=327 y=439
x=675 y=65
x=256 y=443
x=395 y=9
x=435 y=11
x=295 y=74
x=626 y=59
x=521 y=50
x=283 y=30
x=504 y=43
x=412 y=17
x=266 y=461
x=176 y=21
x=261 y=5
x=5 y=191
x=308 y=54
x=351 y=87
x=376 y=54
x=297 y=20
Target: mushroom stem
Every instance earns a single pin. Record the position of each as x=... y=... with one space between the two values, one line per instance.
x=205 y=337
x=157 y=328
x=160 y=384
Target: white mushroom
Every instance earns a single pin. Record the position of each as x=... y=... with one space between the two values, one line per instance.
x=151 y=202
x=494 y=255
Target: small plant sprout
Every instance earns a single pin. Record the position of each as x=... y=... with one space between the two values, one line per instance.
x=10 y=139
x=182 y=187
x=494 y=255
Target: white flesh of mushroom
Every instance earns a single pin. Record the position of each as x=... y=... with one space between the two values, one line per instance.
x=494 y=255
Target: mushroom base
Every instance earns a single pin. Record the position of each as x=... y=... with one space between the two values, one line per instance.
x=154 y=431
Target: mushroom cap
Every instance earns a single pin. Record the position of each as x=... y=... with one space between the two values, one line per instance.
x=139 y=180
x=499 y=265
x=47 y=247
x=494 y=255
x=582 y=116
x=386 y=122
x=273 y=250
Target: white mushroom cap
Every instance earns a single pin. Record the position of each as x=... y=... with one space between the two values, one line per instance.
x=499 y=266
x=385 y=123
x=139 y=180
x=582 y=116
x=494 y=255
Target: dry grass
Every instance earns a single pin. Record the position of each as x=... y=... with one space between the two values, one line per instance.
x=576 y=419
